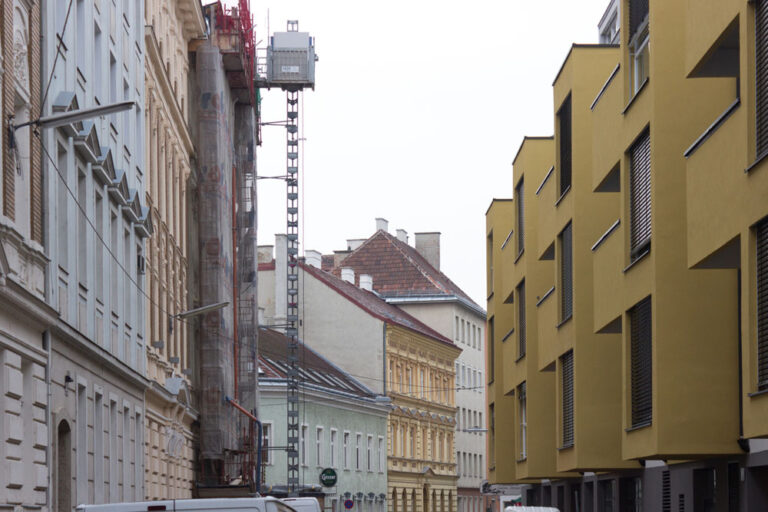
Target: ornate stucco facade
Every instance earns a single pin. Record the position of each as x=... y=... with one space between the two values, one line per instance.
x=169 y=26
x=421 y=466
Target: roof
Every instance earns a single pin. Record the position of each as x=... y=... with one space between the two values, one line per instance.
x=398 y=270
x=313 y=368
x=374 y=305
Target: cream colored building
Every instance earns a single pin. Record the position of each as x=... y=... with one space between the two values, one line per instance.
x=169 y=467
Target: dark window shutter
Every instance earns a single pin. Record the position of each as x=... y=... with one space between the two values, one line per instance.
x=640 y=194
x=666 y=496
x=762 y=304
x=521 y=318
x=564 y=117
x=640 y=333
x=761 y=75
x=520 y=217
x=638 y=11
x=566 y=365
x=566 y=272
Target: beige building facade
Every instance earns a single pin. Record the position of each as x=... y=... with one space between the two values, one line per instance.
x=169 y=27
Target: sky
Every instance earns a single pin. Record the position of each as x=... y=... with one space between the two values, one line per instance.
x=418 y=111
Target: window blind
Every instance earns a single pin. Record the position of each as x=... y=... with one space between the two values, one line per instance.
x=640 y=194
x=762 y=304
x=564 y=119
x=566 y=365
x=521 y=319
x=641 y=369
x=638 y=11
x=519 y=199
x=566 y=272
x=761 y=75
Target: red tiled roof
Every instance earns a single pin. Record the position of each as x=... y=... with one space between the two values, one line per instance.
x=398 y=270
x=267 y=266
x=374 y=305
x=314 y=368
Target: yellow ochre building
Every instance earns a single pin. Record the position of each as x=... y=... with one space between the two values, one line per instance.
x=628 y=275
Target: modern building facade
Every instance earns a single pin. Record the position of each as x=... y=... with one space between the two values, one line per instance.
x=410 y=278
x=169 y=27
x=95 y=226
x=393 y=354
x=343 y=427
x=633 y=247
x=24 y=314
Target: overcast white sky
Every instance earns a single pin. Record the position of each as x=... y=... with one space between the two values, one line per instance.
x=419 y=109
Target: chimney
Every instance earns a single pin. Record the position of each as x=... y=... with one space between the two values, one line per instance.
x=338 y=257
x=428 y=245
x=265 y=253
x=354 y=243
x=348 y=275
x=313 y=258
x=402 y=235
x=366 y=282
x=382 y=224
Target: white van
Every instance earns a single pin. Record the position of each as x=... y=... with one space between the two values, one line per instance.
x=303 y=504
x=267 y=504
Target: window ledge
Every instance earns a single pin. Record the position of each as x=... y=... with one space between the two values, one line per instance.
x=490 y=296
x=565 y=193
x=544 y=181
x=565 y=320
x=712 y=128
x=757 y=161
x=523 y=459
x=519 y=255
x=510 y=333
x=633 y=98
x=545 y=296
x=519 y=358
x=606 y=235
x=638 y=259
x=758 y=393
x=565 y=447
x=639 y=426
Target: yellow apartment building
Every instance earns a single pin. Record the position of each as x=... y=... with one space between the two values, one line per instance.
x=421 y=466
x=170 y=411
x=643 y=271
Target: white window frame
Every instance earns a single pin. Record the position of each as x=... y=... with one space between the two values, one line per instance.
x=358 y=451
x=637 y=47
x=303 y=444
x=382 y=455
x=369 y=453
x=266 y=434
x=319 y=448
x=332 y=447
x=345 y=449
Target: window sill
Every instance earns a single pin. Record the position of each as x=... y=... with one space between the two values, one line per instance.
x=712 y=128
x=521 y=460
x=565 y=321
x=510 y=333
x=758 y=393
x=490 y=296
x=757 y=161
x=562 y=196
x=519 y=358
x=640 y=257
x=639 y=426
x=606 y=235
x=519 y=255
x=545 y=297
x=637 y=94
x=565 y=447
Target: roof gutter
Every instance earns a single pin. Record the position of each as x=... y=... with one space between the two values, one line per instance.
x=421 y=299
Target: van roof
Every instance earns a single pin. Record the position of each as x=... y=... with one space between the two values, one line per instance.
x=171 y=505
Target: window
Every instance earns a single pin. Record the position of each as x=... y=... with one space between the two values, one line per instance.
x=409 y=373
x=266 y=443
x=734 y=484
x=521 y=401
x=491 y=352
x=456 y=334
x=358 y=448
x=520 y=221
x=631 y=494
x=761 y=77
x=80 y=35
x=566 y=272
x=605 y=495
x=492 y=431
x=421 y=384
x=704 y=490
x=334 y=435
x=566 y=372
x=369 y=453
x=82 y=233
x=303 y=445
x=639 y=43
x=382 y=455
x=640 y=195
x=319 y=448
x=489 y=262
x=641 y=371
x=564 y=141
x=345 y=448
x=666 y=492
x=521 y=319
x=762 y=303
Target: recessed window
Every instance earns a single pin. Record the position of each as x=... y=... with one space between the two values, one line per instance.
x=566 y=380
x=564 y=142
x=761 y=231
x=639 y=43
x=641 y=363
x=520 y=221
x=640 y=195
x=566 y=273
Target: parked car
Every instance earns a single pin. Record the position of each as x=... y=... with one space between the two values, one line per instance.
x=267 y=504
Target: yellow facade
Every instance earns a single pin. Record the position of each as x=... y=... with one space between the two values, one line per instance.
x=690 y=93
x=169 y=462
x=421 y=465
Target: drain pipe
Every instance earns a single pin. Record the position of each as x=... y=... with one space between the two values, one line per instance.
x=743 y=443
x=253 y=418
x=48 y=416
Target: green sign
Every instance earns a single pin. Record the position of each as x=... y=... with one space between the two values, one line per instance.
x=328 y=477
